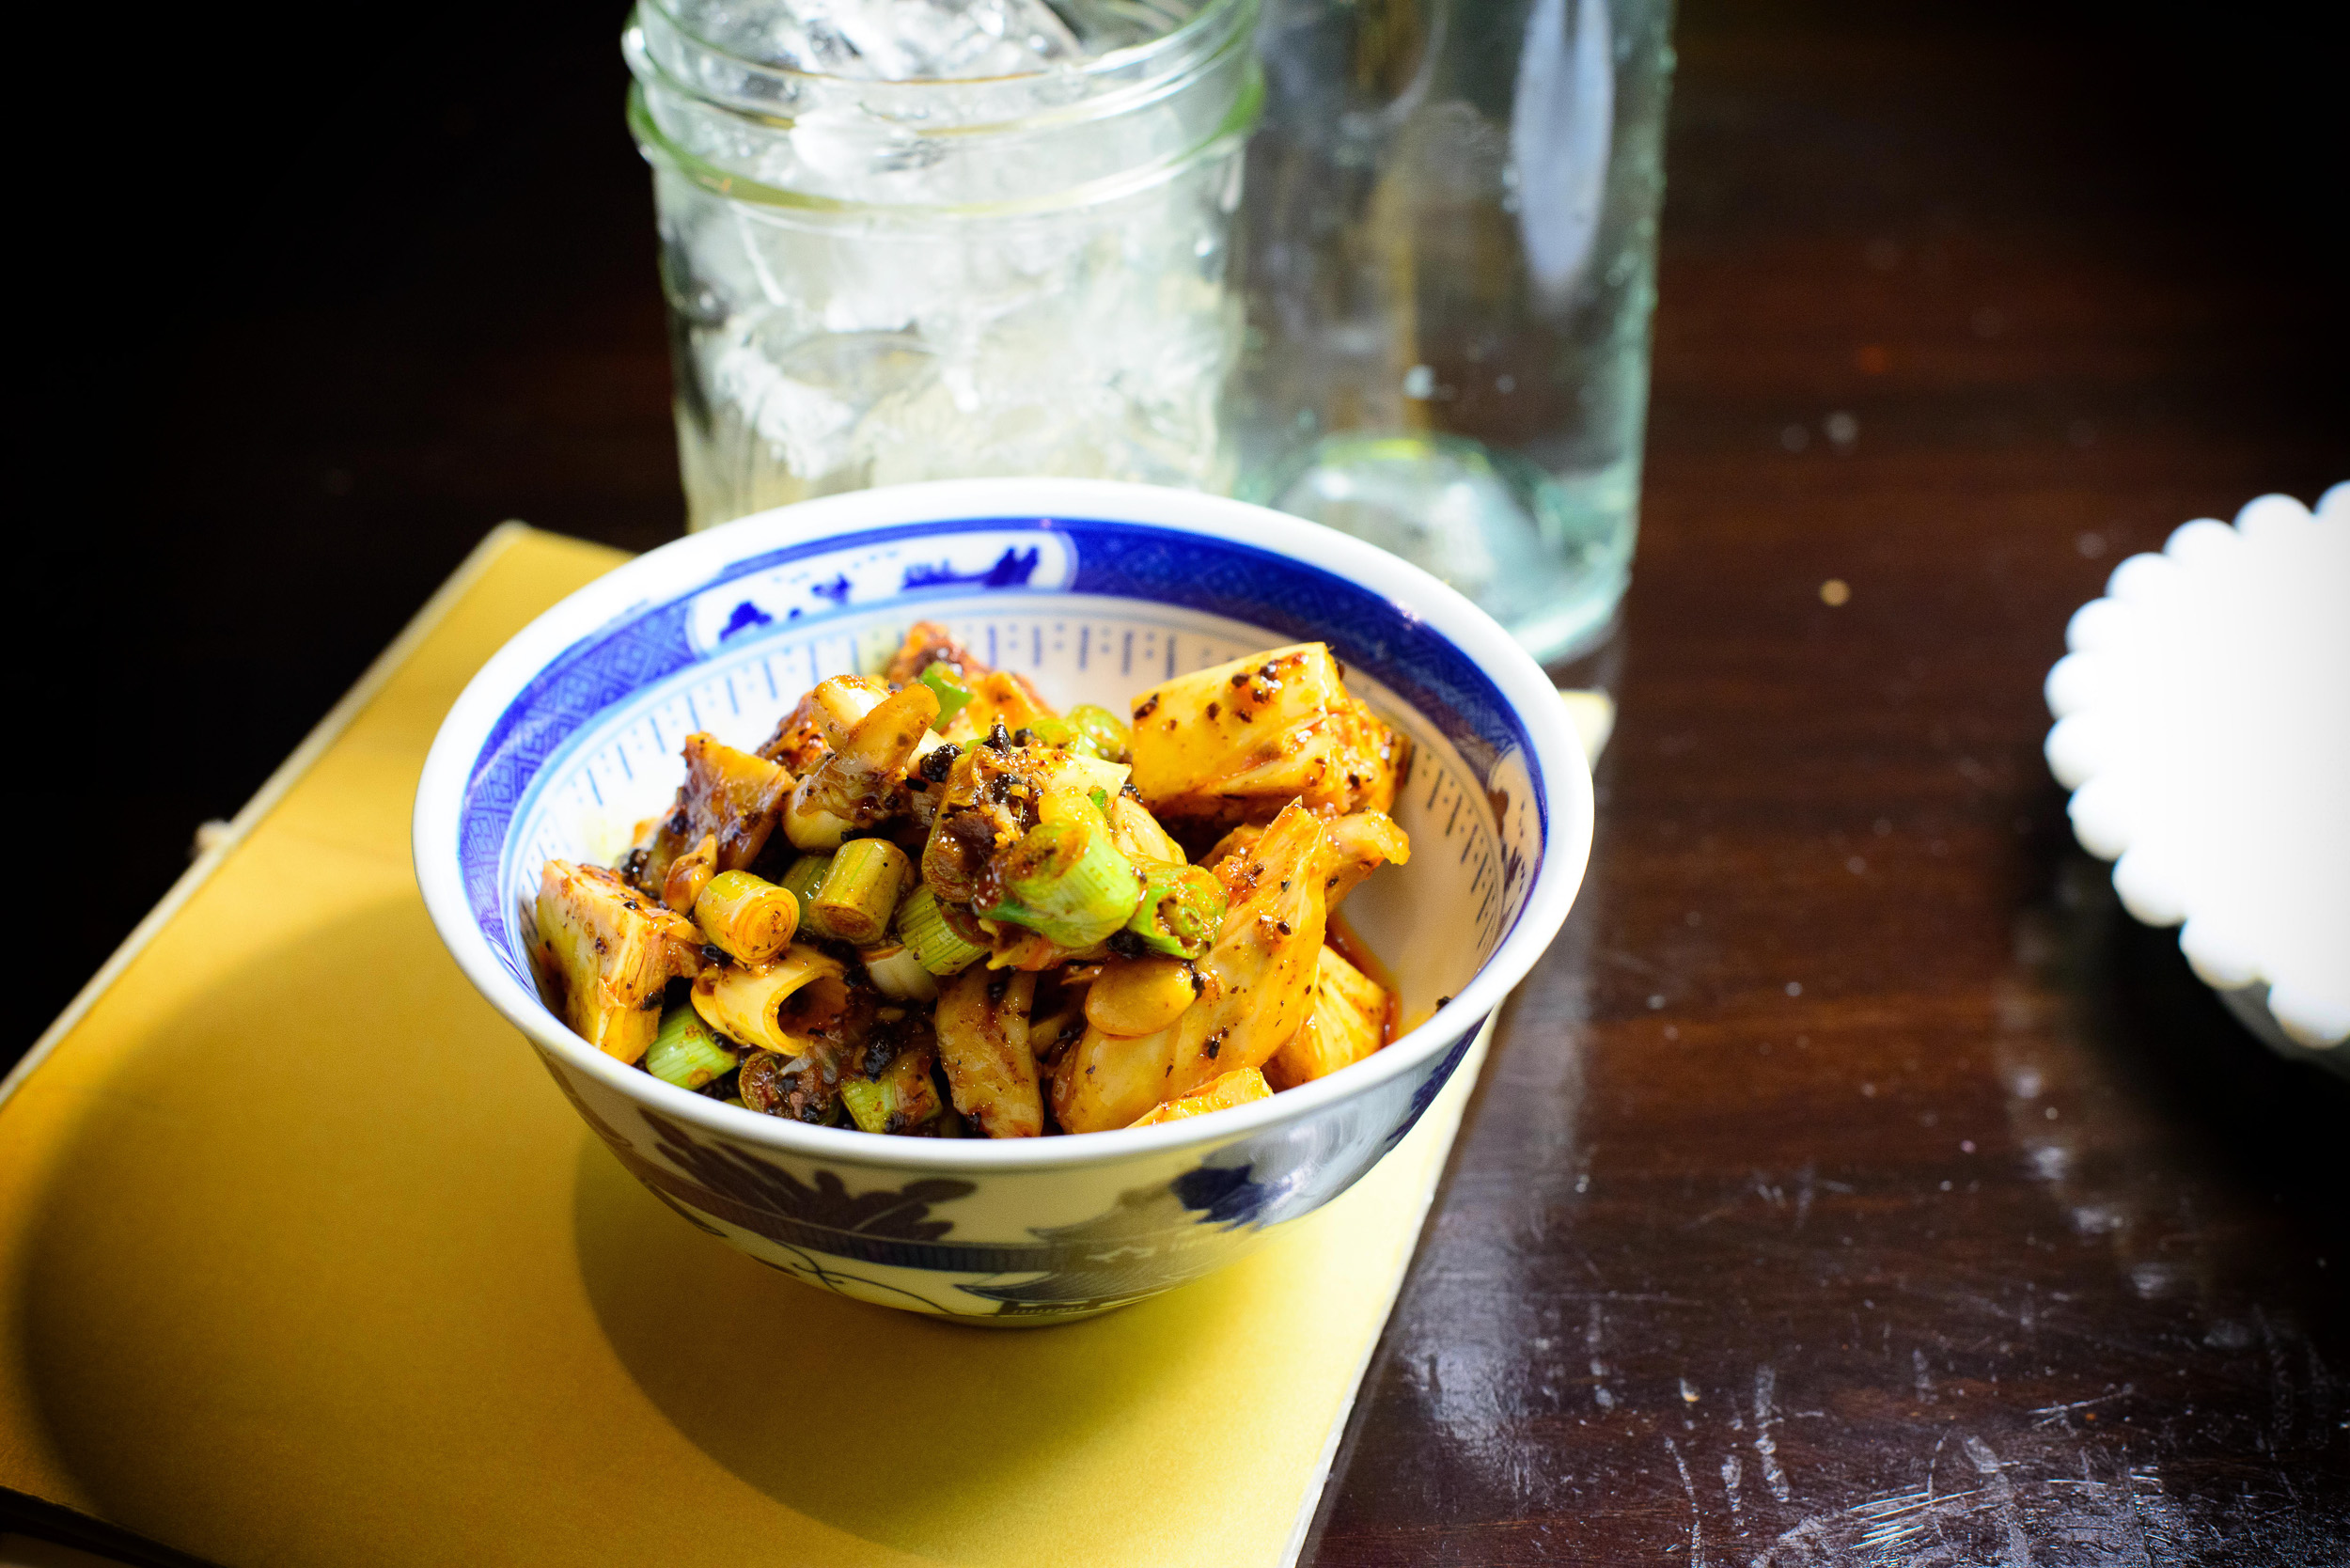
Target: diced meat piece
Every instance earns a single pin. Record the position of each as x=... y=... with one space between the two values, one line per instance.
x=1238 y=841
x=1237 y=743
x=798 y=743
x=982 y=1026
x=928 y=643
x=1352 y=847
x=610 y=951
x=1348 y=1023
x=1355 y=845
x=1000 y=694
x=818 y=721
x=733 y=794
x=1236 y=1088
x=987 y=801
x=862 y=780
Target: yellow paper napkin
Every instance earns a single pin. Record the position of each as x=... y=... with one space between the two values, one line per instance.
x=303 y=1259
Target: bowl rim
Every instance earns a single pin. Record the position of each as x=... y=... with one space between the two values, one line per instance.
x=686 y=564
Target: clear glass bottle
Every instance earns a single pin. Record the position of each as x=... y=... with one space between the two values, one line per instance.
x=1449 y=262
x=873 y=280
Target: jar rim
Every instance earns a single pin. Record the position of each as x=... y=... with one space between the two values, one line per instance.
x=661 y=150
x=1110 y=62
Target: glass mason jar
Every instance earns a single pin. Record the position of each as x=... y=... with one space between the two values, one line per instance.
x=871 y=281
x=1449 y=262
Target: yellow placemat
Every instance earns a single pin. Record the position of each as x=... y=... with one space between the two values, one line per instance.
x=303 y=1259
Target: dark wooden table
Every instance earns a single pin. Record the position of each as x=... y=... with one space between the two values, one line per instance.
x=1855 y=1182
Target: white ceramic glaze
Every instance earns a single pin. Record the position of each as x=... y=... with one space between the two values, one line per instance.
x=1096 y=591
x=2203 y=726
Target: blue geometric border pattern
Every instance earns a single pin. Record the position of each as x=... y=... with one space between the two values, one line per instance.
x=595 y=672
x=649 y=643
x=1432 y=1086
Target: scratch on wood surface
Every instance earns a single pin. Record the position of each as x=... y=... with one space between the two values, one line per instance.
x=1766 y=1445
x=2280 y=1392
x=2002 y=1491
x=1878 y=1533
x=1697 y=1518
x=2322 y=1384
x=2006 y=1512
x=1593 y=1338
x=2055 y=1415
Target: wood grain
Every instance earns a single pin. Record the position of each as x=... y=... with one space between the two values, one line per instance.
x=1855 y=1184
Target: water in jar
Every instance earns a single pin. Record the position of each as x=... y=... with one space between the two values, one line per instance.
x=1448 y=259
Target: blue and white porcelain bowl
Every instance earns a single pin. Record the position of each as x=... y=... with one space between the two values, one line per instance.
x=1096 y=591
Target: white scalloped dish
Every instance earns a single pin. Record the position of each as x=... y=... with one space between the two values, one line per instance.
x=2204 y=726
